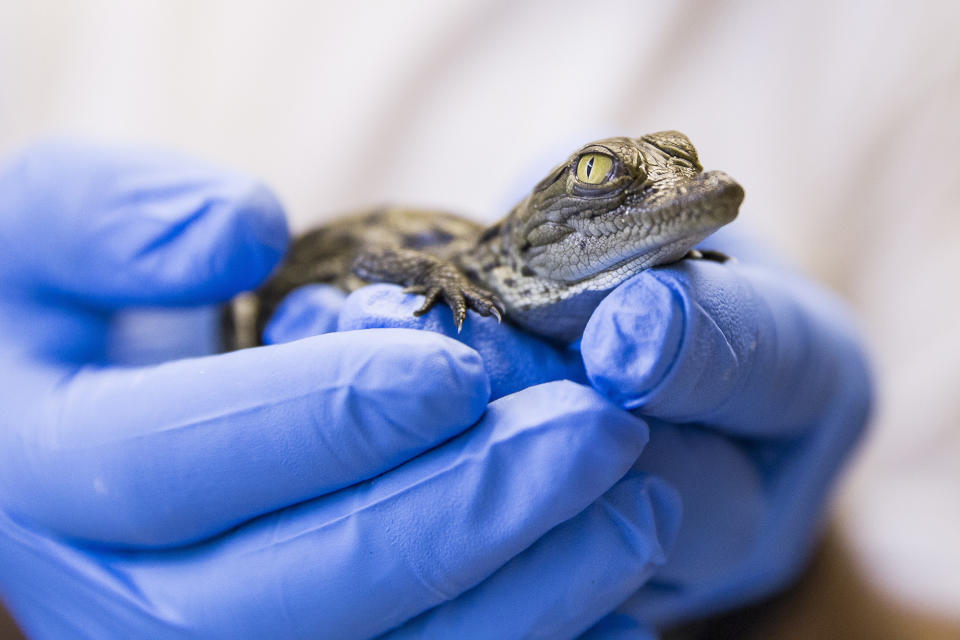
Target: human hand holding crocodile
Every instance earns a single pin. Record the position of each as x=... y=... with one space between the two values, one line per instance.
x=272 y=492
x=756 y=390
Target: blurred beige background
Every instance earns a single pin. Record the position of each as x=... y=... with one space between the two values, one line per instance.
x=839 y=118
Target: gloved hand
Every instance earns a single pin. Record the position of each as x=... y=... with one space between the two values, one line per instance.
x=281 y=491
x=756 y=390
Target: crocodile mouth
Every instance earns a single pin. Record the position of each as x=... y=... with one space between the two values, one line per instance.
x=712 y=195
x=654 y=229
x=712 y=198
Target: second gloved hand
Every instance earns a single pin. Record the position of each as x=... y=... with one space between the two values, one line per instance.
x=755 y=388
x=340 y=485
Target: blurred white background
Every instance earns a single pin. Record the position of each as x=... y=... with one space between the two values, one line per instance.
x=840 y=119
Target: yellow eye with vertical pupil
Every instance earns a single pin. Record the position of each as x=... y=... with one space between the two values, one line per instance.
x=593 y=168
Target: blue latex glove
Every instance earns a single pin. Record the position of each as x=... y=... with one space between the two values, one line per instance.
x=755 y=388
x=513 y=359
x=284 y=491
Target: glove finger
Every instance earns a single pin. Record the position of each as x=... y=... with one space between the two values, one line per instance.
x=167 y=454
x=512 y=358
x=571 y=577
x=123 y=227
x=744 y=349
x=751 y=515
x=372 y=556
x=310 y=310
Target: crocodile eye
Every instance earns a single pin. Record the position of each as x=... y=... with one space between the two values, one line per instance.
x=594 y=168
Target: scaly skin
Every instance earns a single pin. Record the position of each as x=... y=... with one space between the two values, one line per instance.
x=550 y=261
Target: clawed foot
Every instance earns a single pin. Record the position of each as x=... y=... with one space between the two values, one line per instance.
x=445 y=282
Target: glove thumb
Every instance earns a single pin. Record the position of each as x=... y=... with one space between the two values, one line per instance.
x=117 y=227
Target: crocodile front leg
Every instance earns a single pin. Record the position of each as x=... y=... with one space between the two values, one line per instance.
x=433 y=277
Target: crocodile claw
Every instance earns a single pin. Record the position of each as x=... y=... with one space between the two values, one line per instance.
x=458 y=293
x=709 y=255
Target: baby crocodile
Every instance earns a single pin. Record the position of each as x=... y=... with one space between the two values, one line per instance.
x=614 y=208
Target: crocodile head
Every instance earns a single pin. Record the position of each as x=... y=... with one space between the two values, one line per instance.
x=614 y=208
x=618 y=206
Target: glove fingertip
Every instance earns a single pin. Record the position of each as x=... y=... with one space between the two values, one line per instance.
x=236 y=236
x=124 y=226
x=251 y=239
x=425 y=381
x=460 y=369
x=514 y=359
x=633 y=338
x=262 y=224
x=310 y=310
x=616 y=436
x=384 y=305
